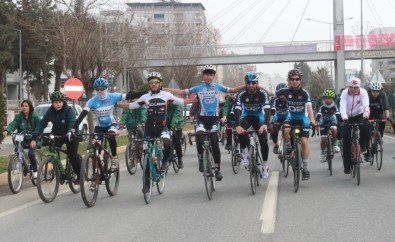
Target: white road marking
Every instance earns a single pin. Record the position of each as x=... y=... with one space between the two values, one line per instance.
x=269 y=208
x=389 y=137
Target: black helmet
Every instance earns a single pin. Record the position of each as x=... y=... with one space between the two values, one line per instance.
x=281 y=86
x=57 y=96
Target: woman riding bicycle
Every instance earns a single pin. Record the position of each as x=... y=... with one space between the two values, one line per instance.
x=26 y=120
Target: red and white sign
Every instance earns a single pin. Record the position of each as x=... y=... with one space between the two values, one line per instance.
x=73 y=88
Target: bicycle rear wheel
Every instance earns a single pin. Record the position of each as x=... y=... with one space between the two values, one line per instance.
x=235 y=157
x=329 y=154
x=207 y=174
x=183 y=143
x=296 y=167
x=253 y=169
x=147 y=179
x=15 y=174
x=175 y=162
x=89 y=179
x=48 y=179
x=72 y=177
x=378 y=151
x=131 y=158
x=111 y=176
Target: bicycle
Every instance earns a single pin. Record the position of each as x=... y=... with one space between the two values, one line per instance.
x=295 y=159
x=183 y=143
x=208 y=163
x=19 y=164
x=133 y=153
x=153 y=156
x=173 y=157
x=235 y=153
x=375 y=145
x=255 y=160
x=330 y=153
x=95 y=170
x=51 y=172
x=281 y=152
x=356 y=159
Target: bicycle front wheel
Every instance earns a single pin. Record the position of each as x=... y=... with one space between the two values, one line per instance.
x=48 y=180
x=207 y=174
x=15 y=174
x=253 y=169
x=131 y=158
x=111 y=176
x=89 y=179
x=378 y=151
x=147 y=179
x=296 y=167
x=160 y=185
x=329 y=154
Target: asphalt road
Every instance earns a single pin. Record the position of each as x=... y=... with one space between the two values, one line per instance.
x=325 y=208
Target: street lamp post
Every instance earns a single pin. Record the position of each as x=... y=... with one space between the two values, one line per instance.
x=20 y=66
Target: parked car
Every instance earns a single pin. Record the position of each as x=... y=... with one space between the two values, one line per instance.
x=41 y=109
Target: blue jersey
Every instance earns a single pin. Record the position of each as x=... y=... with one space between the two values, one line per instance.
x=208 y=97
x=297 y=102
x=104 y=108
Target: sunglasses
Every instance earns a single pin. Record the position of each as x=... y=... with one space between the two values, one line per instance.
x=375 y=90
x=294 y=79
x=353 y=87
x=252 y=83
x=100 y=88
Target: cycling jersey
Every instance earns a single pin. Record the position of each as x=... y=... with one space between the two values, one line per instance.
x=104 y=108
x=279 y=109
x=251 y=104
x=297 y=102
x=352 y=106
x=378 y=105
x=208 y=97
x=156 y=106
x=327 y=112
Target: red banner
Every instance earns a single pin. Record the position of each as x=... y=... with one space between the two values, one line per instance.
x=384 y=39
x=372 y=39
x=348 y=41
x=337 y=43
x=358 y=41
x=392 y=39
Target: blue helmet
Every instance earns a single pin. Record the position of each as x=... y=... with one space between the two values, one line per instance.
x=281 y=85
x=251 y=76
x=100 y=82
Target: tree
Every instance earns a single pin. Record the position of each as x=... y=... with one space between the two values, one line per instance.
x=320 y=81
x=306 y=70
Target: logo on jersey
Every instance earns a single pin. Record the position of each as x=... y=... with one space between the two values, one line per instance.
x=212 y=88
x=256 y=99
x=247 y=99
x=300 y=97
x=289 y=96
x=108 y=102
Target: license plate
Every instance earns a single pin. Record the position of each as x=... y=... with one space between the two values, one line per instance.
x=19 y=137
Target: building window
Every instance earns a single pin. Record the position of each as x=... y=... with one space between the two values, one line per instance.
x=159 y=18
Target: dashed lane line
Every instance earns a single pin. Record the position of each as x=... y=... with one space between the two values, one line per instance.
x=269 y=207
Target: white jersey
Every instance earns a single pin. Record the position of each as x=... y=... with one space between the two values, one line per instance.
x=156 y=106
x=351 y=106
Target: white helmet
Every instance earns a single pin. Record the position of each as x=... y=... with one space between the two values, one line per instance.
x=375 y=85
x=354 y=82
x=209 y=69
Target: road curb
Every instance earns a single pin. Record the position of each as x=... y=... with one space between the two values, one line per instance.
x=4 y=175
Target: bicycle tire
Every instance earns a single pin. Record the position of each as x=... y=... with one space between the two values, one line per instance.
x=355 y=158
x=160 y=185
x=378 y=152
x=235 y=158
x=207 y=174
x=131 y=159
x=146 y=164
x=15 y=174
x=253 y=169
x=183 y=143
x=47 y=174
x=89 y=174
x=176 y=168
x=111 y=177
x=296 y=168
x=329 y=154
x=370 y=148
x=38 y=161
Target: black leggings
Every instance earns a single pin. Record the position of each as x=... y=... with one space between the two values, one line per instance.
x=111 y=139
x=363 y=139
x=177 y=142
x=72 y=152
x=32 y=158
x=245 y=139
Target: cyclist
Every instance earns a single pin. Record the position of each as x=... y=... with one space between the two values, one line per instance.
x=228 y=116
x=62 y=117
x=103 y=104
x=299 y=104
x=252 y=108
x=26 y=120
x=328 y=114
x=208 y=115
x=134 y=121
x=156 y=101
x=278 y=114
x=175 y=121
x=354 y=108
x=378 y=103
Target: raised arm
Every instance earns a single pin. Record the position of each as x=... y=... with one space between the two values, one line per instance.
x=236 y=89
x=175 y=91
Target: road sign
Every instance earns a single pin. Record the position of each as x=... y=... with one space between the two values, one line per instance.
x=73 y=88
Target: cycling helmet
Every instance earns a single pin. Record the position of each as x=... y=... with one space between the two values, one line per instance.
x=209 y=69
x=295 y=72
x=251 y=76
x=281 y=86
x=153 y=75
x=329 y=93
x=375 y=85
x=57 y=96
x=100 y=82
x=354 y=82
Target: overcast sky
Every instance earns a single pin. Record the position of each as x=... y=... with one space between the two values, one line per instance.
x=264 y=21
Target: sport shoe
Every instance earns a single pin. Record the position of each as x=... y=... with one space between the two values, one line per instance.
x=323 y=156
x=306 y=174
x=201 y=165
x=275 y=149
x=218 y=175
x=265 y=172
x=347 y=171
x=34 y=174
x=114 y=163
x=92 y=187
x=180 y=164
x=336 y=148
x=164 y=166
x=366 y=157
x=228 y=146
x=364 y=150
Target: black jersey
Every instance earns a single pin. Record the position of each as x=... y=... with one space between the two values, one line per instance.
x=378 y=105
x=326 y=112
x=280 y=108
x=297 y=101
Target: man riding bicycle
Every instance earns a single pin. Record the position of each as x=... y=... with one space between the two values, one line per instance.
x=298 y=104
x=354 y=108
x=252 y=109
